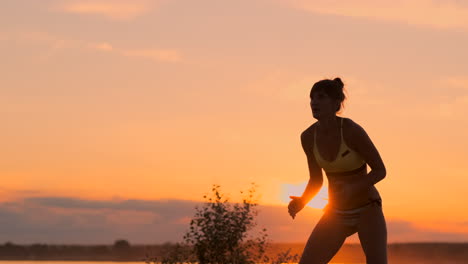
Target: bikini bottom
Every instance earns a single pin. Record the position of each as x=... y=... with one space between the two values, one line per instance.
x=350 y=218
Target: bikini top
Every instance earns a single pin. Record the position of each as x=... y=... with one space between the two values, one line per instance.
x=347 y=160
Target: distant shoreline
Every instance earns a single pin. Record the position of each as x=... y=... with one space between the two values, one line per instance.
x=430 y=252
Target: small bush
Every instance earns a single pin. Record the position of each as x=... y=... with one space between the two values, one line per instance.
x=222 y=233
x=219 y=231
x=284 y=257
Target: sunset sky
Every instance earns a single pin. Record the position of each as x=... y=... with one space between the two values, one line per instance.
x=117 y=116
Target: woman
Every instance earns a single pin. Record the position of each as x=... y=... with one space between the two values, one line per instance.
x=342 y=149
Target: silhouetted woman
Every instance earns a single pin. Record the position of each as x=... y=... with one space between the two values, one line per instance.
x=342 y=149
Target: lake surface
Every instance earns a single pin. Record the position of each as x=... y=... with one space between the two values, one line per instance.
x=65 y=262
x=87 y=262
x=72 y=262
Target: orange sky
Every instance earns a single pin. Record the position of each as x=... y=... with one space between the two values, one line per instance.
x=151 y=99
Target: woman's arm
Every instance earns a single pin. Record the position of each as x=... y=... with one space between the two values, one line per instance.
x=315 y=172
x=315 y=178
x=368 y=151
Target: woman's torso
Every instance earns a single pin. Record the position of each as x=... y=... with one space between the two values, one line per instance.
x=337 y=155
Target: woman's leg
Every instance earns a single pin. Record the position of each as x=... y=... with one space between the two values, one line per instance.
x=326 y=239
x=372 y=232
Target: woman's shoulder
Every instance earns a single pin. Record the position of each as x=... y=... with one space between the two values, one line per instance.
x=307 y=139
x=308 y=133
x=350 y=123
x=351 y=128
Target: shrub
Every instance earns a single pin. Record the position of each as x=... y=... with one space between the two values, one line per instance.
x=220 y=231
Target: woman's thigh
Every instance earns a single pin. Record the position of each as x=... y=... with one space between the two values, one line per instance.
x=326 y=239
x=372 y=233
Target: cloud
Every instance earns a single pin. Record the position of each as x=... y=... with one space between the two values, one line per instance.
x=104 y=46
x=162 y=207
x=73 y=220
x=154 y=54
x=164 y=55
x=432 y=13
x=112 y=9
x=54 y=44
x=403 y=231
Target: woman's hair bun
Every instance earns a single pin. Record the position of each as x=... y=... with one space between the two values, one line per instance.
x=339 y=82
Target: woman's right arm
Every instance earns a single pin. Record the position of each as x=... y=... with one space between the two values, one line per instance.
x=315 y=178
x=315 y=172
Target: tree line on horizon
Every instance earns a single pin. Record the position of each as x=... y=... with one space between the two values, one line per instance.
x=403 y=253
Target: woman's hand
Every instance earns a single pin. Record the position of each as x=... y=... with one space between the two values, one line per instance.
x=295 y=205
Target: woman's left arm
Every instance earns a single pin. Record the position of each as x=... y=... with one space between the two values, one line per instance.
x=368 y=151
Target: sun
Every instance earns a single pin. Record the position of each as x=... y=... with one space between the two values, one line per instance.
x=319 y=201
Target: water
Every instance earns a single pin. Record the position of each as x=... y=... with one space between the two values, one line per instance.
x=65 y=262
x=75 y=262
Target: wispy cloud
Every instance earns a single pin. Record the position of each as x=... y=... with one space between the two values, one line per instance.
x=53 y=44
x=73 y=220
x=112 y=9
x=165 y=55
x=433 y=13
x=104 y=46
x=154 y=54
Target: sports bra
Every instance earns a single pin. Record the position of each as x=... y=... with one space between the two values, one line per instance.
x=347 y=160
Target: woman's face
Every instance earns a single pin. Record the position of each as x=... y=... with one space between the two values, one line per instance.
x=322 y=105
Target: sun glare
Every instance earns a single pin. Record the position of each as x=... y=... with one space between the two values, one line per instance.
x=319 y=201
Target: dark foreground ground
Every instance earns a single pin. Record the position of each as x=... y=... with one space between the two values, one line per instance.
x=427 y=253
